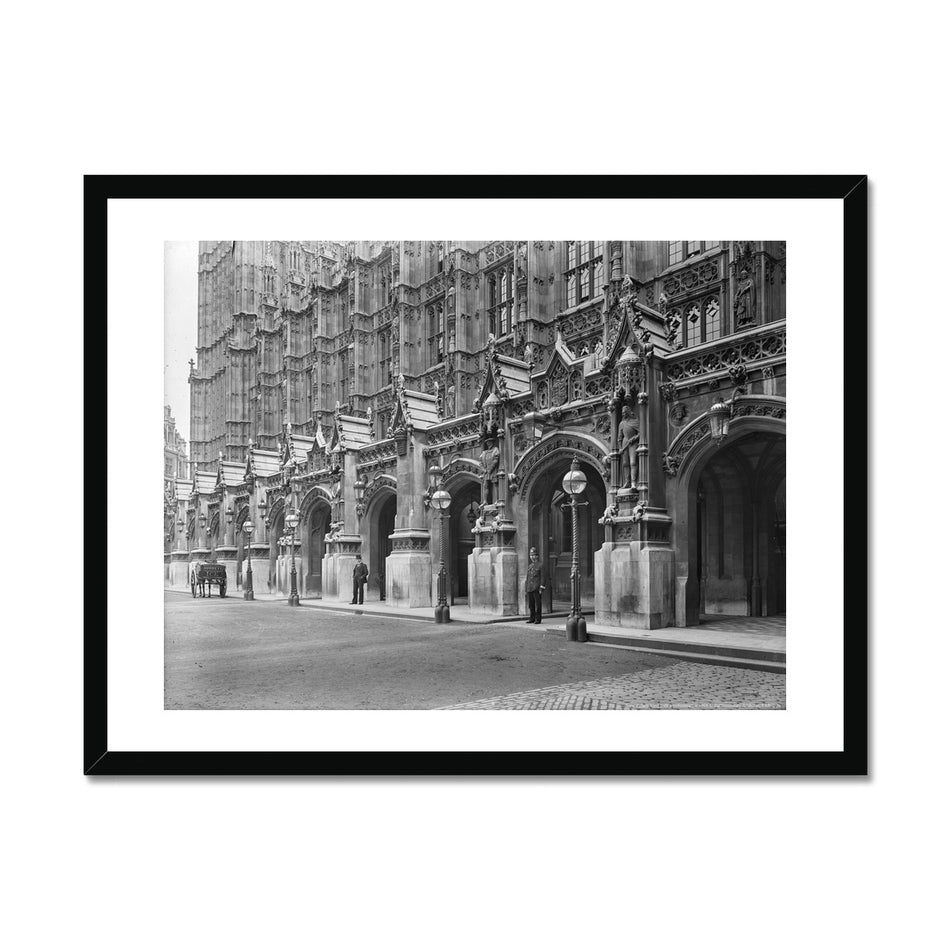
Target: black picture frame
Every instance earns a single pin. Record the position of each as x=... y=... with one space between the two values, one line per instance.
x=851 y=190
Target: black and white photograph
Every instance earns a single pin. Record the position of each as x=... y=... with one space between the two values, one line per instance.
x=506 y=575
x=523 y=474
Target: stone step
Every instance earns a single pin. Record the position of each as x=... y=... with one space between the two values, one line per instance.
x=660 y=645
x=719 y=660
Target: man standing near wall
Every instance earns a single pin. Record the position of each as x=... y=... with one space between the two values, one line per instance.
x=360 y=573
x=533 y=587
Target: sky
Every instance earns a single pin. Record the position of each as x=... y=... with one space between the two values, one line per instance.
x=181 y=327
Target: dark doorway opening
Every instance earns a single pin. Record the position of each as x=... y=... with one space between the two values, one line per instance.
x=550 y=532
x=382 y=545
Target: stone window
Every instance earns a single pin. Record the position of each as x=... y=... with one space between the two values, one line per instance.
x=436 y=314
x=681 y=250
x=712 y=322
x=501 y=299
x=584 y=276
x=694 y=329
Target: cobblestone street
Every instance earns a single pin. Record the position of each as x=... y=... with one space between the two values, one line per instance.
x=234 y=654
x=679 y=686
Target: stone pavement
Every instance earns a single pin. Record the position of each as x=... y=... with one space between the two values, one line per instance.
x=681 y=686
x=752 y=638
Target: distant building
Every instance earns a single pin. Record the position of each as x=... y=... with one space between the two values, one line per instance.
x=176 y=453
x=331 y=377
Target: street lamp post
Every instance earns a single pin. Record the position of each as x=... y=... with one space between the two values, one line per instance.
x=574 y=483
x=440 y=499
x=293 y=600
x=249 y=576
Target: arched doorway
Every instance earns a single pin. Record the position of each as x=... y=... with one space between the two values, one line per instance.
x=276 y=573
x=241 y=544
x=735 y=525
x=313 y=547
x=466 y=496
x=382 y=523
x=550 y=530
x=213 y=537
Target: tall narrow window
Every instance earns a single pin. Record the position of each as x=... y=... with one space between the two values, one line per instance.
x=713 y=321
x=584 y=277
x=500 y=299
x=436 y=333
x=694 y=328
x=676 y=251
x=440 y=257
x=694 y=247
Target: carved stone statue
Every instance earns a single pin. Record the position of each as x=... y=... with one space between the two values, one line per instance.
x=450 y=403
x=490 y=459
x=599 y=354
x=743 y=306
x=629 y=441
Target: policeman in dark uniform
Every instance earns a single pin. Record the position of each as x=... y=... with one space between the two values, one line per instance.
x=360 y=573
x=533 y=587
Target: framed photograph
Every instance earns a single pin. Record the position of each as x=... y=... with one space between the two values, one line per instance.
x=476 y=475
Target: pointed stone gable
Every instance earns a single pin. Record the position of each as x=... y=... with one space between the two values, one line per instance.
x=412 y=410
x=349 y=432
x=204 y=483
x=641 y=328
x=262 y=463
x=230 y=474
x=505 y=376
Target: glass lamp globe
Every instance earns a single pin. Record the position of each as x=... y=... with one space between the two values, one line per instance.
x=435 y=473
x=292 y=520
x=575 y=481
x=441 y=499
x=248 y=528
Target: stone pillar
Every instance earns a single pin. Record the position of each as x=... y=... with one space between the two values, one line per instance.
x=409 y=567
x=633 y=574
x=493 y=580
x=344 y=543
x=179 y=570
x=258 y=550
x=643 y=452
x=616 y=470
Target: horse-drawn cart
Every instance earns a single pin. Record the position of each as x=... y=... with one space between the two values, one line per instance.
x=204 y=575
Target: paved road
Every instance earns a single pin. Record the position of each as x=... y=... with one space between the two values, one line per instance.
x=233 y=654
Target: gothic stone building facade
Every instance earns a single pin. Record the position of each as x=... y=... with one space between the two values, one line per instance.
x=177 y=466
x=332 y=378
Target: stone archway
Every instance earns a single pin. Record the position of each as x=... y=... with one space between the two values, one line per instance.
x=547 y=526
x=276 y=573
x=465 y=490
x=728 y=526
x=381 y=523
x=241 y=545
x=550 y=529
x=314 y=524
x=214 y=536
